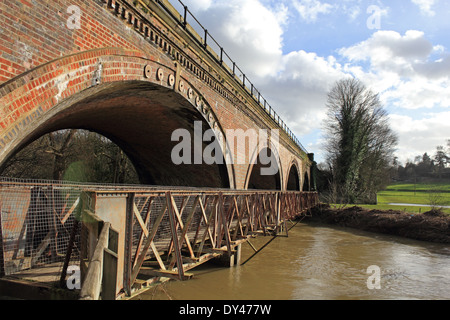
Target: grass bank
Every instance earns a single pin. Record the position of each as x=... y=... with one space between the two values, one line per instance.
x=437 y=194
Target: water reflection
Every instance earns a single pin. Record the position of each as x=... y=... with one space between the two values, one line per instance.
x=320 y=262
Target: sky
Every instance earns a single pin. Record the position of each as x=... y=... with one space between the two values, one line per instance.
x=294 y=51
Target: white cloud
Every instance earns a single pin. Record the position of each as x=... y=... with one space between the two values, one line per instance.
x=425 y=6
x=248 y=31
x=299 y=91
x=419 y=93
x=281 y=14
x=389 y=49
x=310 y=9
x=438 y=69
x=353 y=12
x=417 y=136
x=401 y=69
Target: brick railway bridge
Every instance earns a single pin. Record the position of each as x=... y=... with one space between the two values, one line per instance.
x=134 y=72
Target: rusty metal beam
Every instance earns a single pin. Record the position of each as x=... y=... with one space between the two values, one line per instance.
x=141 y=237
x=173 y=230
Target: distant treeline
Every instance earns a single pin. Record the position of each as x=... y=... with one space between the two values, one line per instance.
x=424 y=167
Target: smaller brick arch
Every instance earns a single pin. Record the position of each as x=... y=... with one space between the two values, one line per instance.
x=254 y=179
x=293 y=177
x=306 y=186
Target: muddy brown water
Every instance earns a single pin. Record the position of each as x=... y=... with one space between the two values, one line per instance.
x=322 y=262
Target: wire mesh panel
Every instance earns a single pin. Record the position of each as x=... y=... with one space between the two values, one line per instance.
x=36 y=224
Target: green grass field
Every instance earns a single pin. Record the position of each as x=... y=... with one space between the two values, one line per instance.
x=421 y=193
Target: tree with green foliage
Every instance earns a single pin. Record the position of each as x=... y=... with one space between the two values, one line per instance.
x=360 y=143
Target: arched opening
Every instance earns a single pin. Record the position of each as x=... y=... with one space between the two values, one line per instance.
x=139 y=117
x=293 y=182
x=306 y=185
x=72 y=155
x=265 y=173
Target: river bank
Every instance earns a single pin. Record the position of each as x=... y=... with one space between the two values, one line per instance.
x=432 y=226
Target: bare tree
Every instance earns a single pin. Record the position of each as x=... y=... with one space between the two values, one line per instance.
x=59 y=144
x=24 y=163
x=360 y=142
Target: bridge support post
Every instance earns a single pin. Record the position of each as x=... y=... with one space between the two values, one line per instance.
x=232 y=260
x=111 y=208
x=237 y=255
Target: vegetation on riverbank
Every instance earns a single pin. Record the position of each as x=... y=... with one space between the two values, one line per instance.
x=433 y=226
x=429 y=222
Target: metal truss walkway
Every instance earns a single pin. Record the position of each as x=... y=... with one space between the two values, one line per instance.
x=109 y=242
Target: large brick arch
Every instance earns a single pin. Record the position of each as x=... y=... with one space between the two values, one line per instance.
x=135 y=102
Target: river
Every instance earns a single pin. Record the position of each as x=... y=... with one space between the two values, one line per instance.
x=326 y=263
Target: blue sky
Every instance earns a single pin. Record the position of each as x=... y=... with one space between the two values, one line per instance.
x=345 y=23
x=295 y=50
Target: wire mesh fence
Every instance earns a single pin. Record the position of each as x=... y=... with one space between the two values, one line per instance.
x=37 y=219
x=36 y=223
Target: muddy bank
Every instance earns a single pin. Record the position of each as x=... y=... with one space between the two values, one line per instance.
x=432 y=226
